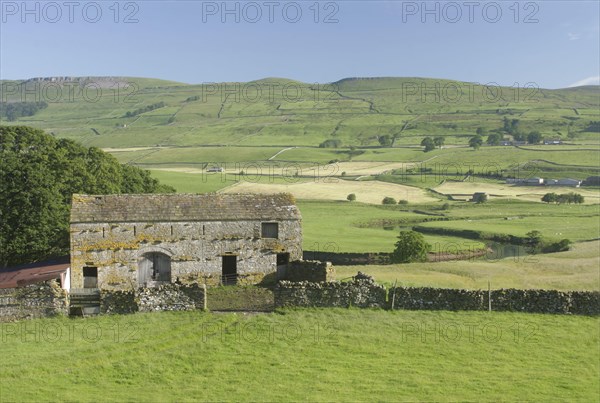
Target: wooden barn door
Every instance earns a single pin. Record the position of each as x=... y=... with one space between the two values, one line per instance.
x=154 y=267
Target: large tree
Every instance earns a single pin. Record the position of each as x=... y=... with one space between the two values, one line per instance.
x=410 y=247
x=475 y=142
x=38 y=175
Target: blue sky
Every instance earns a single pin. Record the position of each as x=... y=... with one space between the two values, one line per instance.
x=553 y=44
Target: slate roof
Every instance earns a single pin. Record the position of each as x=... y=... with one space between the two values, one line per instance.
x=182 y=207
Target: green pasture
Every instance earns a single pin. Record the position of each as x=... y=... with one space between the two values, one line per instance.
x=311 y=354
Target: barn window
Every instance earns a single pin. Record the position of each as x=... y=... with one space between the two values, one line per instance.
x=154 y=267
x=270 y=230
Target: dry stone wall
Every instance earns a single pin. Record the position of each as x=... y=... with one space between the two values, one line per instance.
x=306 y=270
x=362 y=293
x=33 y=301
x=168 y=297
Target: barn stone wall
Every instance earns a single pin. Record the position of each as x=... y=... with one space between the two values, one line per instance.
x=195 y=249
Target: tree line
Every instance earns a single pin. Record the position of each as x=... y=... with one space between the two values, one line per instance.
x=14 y=110
x=567 y=198
x=145 y=109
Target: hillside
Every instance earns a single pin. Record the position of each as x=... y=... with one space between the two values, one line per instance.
x=282 y=112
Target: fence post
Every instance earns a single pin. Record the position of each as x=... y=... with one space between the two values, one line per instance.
x=204 y=298
x=489 y=297
x=394 y=294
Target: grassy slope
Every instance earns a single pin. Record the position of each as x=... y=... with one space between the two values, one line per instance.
x=315 y=355
x=355 y=111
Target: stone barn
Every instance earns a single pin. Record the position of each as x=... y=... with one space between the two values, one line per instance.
x=145 y=240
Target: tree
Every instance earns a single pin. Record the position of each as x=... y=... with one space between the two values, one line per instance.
x=439 y=141
x=428 y=143
x=475 y=142
x=385 y=140
x=494 y=139
x=351 y=197
x=534 y=241
x=534 y=137
x=511 y=126
x=388 y=200
x=38 y=176
x=410 y=247
x=480 y=131
x=550 y=198
x=577 y=198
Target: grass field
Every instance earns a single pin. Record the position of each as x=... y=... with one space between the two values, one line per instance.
x=338 y=189
x=573 y=228
x=358 y=227
x=576 y=269
x=465 y=190
x=314 y=355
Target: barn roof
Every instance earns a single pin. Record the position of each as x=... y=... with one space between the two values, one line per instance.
x=182 y=207
x=31 y=273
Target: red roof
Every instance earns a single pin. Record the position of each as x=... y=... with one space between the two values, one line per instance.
x=31 y=273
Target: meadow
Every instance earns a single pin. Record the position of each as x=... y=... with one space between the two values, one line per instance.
x=308 y=354
x=576 y=269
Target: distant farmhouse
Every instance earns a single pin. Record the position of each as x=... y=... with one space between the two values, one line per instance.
x=131 y=241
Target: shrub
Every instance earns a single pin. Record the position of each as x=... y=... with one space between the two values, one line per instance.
x=403 y=201
x=560 y=246
x=351 y=197
x=388 y=200
x=479 y=198
x=331 y=143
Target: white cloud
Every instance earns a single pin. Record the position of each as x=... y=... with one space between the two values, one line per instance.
x=594 y=80
x=573 y=36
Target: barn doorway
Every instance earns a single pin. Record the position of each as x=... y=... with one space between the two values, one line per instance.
x=90 y=277
x=229 y=270
x=283 y=259
x=154 y=269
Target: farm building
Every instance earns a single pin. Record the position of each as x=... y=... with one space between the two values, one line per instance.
x=592 y=181
x=131 y=241
x=33 y=273
x=563 y=182
x=526 y=181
